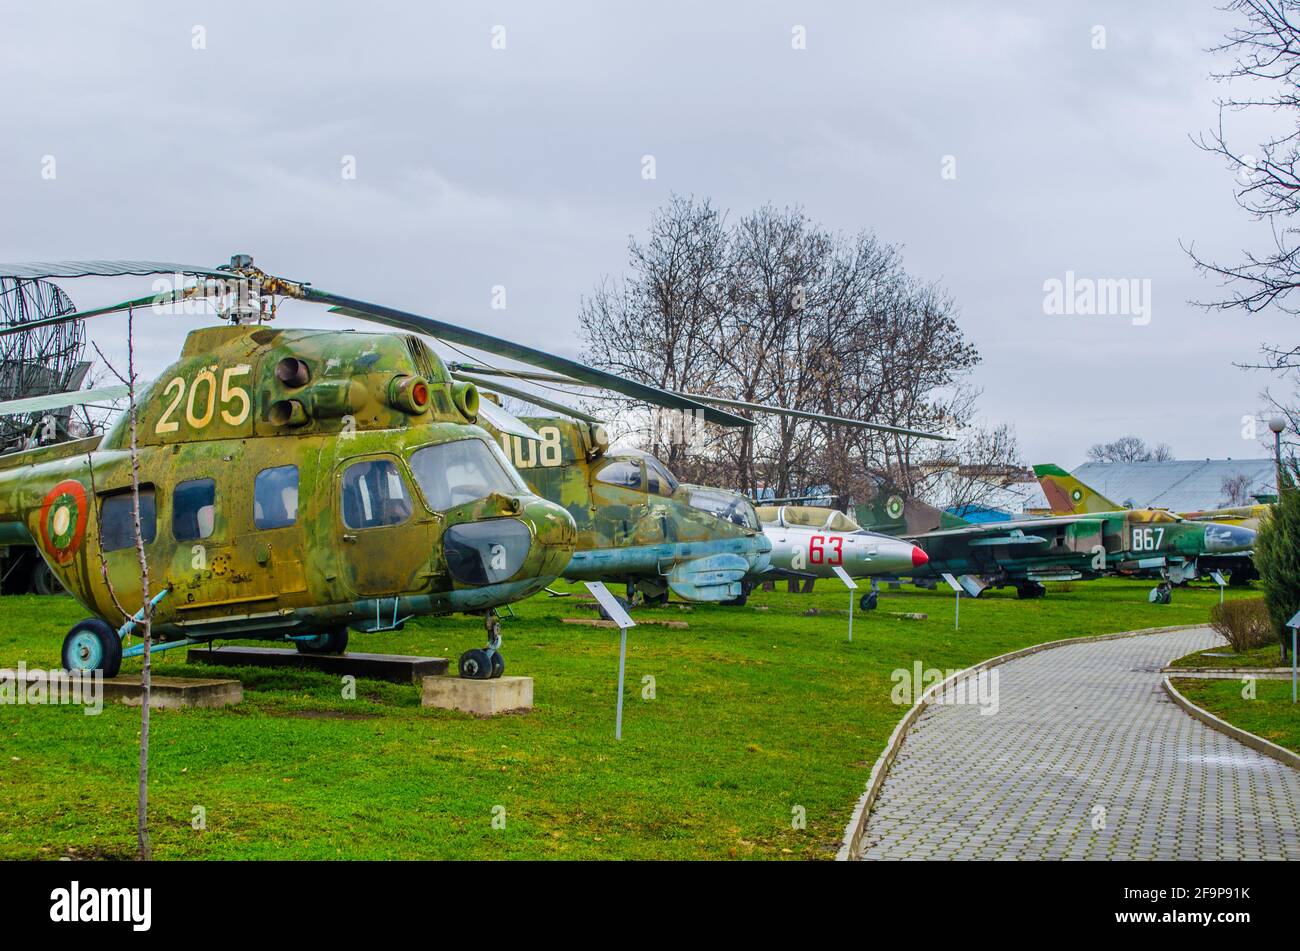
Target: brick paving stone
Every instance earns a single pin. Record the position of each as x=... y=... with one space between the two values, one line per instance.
x=1083 y=732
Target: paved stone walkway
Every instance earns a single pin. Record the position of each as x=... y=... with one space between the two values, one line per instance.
x=1083 y=733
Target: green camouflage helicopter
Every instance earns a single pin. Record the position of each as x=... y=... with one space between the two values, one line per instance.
x=637 y=524
x=293 y=484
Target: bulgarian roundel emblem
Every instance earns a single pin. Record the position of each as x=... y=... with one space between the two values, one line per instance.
x=63 y=520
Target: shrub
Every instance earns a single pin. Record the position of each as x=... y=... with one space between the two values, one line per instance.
x=1245 y=623
x=1277 y=556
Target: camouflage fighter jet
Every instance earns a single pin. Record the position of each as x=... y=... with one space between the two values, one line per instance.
x=1025 y=552
x=1069 y=495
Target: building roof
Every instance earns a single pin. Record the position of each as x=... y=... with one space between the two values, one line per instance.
x=1179 y=485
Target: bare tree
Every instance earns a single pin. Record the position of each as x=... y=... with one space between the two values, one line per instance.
x=1236 y=490
x=1265 y=69
x=1129 y=449
x=778 y=310
x=143 y=618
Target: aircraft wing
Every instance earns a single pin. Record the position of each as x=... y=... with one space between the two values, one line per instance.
x=1016 y=531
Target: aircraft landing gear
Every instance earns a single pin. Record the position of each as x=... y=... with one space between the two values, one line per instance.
x=623 y=602
x=331 y=642
x=485 y=663
x=92 y=645
x=1162 y=593
x=739 y=601
x=869 y=600
x=1030 y=589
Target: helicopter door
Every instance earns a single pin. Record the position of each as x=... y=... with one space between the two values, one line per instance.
x=385 y=535
x=265 y=565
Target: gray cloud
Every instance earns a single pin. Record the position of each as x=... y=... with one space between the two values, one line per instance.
x=521 y=167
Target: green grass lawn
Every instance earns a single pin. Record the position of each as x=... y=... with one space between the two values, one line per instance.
x=757 y=710
x=1270 y=655
x=1271 y=714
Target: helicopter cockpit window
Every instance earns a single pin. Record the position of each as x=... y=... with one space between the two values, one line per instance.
x=117 y=519
x=275 y=497
x=621 y=473
x=659 y=480
x=727 y=505
x=194 y=507
x=374 y=495
x=453 y=473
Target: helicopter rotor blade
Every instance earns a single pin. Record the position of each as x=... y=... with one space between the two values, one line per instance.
x=150 y=301
x=35 y=404
x=46 y=269
x=738 y=404
x=516 y=351
x=823 y=418
x=527 y=397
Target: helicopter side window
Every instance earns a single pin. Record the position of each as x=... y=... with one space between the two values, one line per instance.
x=374 y=495
x=619 y=472
x=453 y=473
x=659 y=480
x=726 y=505
x=275 y=497
x=117 y=519
x=194 y=505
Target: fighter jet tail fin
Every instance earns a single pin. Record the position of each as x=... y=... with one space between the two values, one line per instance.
x=1068 y=496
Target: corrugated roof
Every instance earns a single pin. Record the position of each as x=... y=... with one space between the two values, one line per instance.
x=1179 y=485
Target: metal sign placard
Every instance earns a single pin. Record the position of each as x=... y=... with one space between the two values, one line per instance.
x=845 y=577
x=612 y=607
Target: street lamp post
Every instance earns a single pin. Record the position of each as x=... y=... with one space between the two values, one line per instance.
x=1277 y=424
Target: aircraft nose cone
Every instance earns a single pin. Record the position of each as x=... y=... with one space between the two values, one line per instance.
x=1229 y=538
x=919 y=557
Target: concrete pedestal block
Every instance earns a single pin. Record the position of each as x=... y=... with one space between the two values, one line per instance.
x=172 y=693
x=483 y=698
x=395 y=668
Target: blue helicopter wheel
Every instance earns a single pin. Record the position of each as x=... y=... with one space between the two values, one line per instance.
x=93 y=645
x=331 y=642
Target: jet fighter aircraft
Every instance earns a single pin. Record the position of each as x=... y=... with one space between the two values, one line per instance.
x=1069 y=495
x=810 y=542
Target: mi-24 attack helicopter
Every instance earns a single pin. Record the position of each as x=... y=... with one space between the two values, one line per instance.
x=639 y=526
x=293 y=484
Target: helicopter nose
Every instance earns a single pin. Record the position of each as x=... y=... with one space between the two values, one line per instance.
x=919 y=557
x=1229 y=538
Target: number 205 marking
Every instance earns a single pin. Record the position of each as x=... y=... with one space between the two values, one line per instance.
x=201 y=407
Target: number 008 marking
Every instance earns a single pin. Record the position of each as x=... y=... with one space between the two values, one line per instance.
x=204 y=397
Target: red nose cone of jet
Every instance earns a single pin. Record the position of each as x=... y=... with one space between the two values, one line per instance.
x=919 y=557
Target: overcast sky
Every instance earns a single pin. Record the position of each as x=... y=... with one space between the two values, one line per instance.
x=522 y=167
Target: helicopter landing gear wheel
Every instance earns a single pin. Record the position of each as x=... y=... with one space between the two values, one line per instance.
x=476 y=664
x=739 y=600
x=655 y=600
x=485 y=663
x=44 y=580
x=623 y=602
x=331 y=642
x=92 y=645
